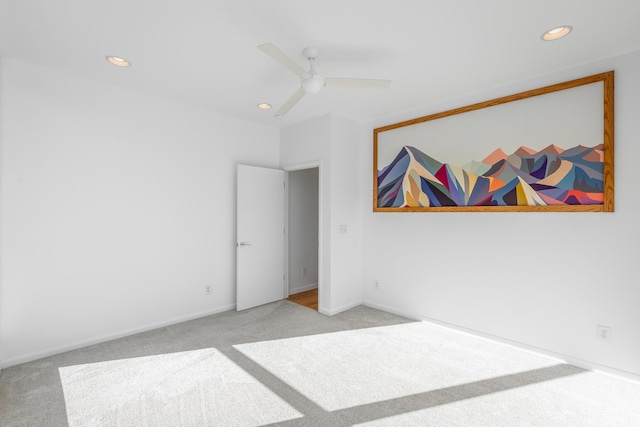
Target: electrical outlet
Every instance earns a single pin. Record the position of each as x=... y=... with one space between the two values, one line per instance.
x=207 y=289
x=376 y=285
x=603 y=333
x=304 y=271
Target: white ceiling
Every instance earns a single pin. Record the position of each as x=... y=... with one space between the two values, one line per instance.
x=203 y=52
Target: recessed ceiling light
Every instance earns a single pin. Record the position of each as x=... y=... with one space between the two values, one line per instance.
x=264 y=106
x=120 y=62
x=557 y=33
x=279 y=116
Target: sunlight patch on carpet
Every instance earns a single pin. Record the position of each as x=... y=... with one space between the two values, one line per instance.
x=201 y=387
x=351 y=368
x=587 y=400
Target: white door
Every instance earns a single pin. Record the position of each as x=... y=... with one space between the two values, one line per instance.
x=260 y=236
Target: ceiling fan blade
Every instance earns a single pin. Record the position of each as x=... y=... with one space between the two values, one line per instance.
x=357 y=83
x=282 y=58
x=297 y=96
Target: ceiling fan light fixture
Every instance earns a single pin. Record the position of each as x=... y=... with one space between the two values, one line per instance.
x=313 y=84
x=557 y=33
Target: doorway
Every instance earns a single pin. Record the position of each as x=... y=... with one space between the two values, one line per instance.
x=303 y=225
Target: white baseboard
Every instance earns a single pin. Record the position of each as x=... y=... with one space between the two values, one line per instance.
x=303 y=288
x=85 y=343
x=391 y=310
x=580 y=363
x=339 y=310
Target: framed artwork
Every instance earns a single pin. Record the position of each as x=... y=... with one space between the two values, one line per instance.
x=547 y=149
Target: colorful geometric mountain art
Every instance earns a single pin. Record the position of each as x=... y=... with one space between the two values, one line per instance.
x=551 y=176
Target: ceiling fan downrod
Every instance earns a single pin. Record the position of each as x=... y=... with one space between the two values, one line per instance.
x=313 y=83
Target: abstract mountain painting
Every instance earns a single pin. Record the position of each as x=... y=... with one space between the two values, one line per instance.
x=551 y=176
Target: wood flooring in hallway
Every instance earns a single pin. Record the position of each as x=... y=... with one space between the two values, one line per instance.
x=306 y=298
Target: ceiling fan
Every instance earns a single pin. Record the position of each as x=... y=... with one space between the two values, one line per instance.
x=311 y=81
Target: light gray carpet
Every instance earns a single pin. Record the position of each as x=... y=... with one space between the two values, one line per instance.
x=423 y=374
x=363 y=366
x=191 y=388
x=31 y=394
x=283 y=364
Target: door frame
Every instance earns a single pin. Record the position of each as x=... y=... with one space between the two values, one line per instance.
x=292 y=168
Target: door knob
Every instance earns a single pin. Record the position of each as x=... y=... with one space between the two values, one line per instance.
x=241 y=244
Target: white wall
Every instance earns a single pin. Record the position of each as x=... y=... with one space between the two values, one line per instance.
x=346 y=199
x=334 y=142
x=1 y=127
x=544 y=280
x=114 y=215
x=116 y=210
x=303 y=230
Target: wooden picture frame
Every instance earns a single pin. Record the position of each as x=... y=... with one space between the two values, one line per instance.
x=548 y=149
